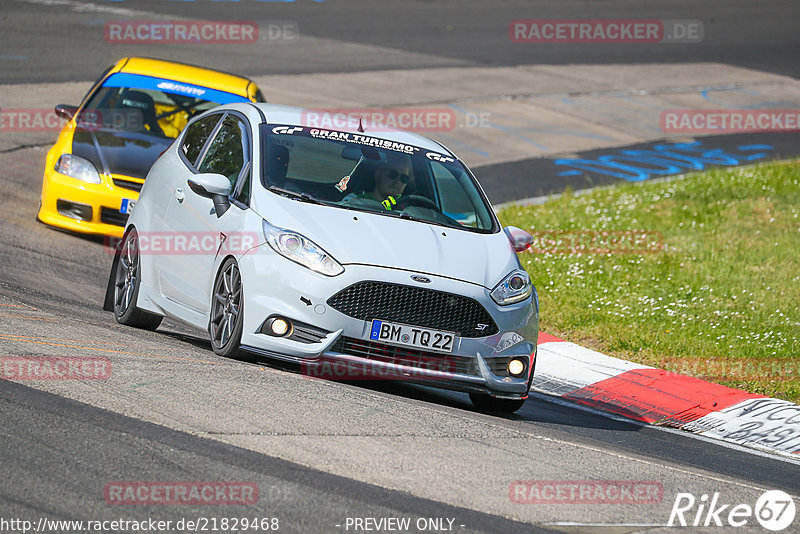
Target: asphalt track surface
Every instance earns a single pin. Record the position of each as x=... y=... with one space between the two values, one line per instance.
x=60 y=45
x=321 y=452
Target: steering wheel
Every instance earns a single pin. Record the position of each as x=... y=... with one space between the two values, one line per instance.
x=417 y=200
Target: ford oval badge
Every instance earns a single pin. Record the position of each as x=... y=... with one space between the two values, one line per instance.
x=421 y=279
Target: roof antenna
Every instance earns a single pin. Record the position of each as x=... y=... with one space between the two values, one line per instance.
x=360 y=125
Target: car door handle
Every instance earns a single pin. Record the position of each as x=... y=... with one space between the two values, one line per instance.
x=179 y=194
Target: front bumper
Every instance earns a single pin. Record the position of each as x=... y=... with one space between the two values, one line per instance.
x=276 y=286
x=86 y=208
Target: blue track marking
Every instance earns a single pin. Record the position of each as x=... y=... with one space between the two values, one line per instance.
x=662 y=160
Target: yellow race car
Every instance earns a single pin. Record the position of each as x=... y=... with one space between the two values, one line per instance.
x=132 y=113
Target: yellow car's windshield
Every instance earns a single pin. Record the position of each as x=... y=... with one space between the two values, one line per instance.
x=146 y=104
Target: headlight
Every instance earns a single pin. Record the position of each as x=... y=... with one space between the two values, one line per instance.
x=300 y=249
x=77 y=167
x=515 y=287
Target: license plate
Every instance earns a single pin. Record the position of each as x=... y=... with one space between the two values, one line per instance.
x=127 y=205
x=412 y=336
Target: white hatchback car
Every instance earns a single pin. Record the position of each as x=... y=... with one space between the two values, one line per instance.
x=372 y=254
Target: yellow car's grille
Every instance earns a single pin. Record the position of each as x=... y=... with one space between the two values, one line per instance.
x=128 y=184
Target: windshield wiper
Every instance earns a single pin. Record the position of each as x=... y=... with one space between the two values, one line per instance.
x=407 y=217
x=305 y=197
x=400 y=215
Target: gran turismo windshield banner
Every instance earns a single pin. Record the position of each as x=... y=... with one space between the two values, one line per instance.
x=124 y=79
x=360 y=139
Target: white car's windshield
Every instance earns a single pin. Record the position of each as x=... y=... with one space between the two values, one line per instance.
x=360 y=172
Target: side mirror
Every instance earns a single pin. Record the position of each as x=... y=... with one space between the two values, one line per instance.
x=520 y=239
x=214 y=186
x=65 y=111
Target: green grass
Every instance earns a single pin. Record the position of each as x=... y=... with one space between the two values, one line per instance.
x=719 y=301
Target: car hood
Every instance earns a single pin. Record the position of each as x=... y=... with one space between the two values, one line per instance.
x=118 y=152
x=355 y=237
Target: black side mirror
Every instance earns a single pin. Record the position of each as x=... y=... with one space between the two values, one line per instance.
x=65 y=111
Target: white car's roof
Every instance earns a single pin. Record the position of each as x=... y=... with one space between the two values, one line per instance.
x=295 y=116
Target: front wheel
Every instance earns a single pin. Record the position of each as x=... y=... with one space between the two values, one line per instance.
x=487 y=403
x=127 y=280
x=227 y=311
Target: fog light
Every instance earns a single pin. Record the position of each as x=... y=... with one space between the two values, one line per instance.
x=279 y=326
x=516 y=367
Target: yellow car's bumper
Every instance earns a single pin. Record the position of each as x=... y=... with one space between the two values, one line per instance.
x=78 y=206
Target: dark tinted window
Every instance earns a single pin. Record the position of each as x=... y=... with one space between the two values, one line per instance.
x=196 y=136
x=226 y=155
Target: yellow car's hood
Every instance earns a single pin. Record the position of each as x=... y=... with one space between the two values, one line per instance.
x=117 y=151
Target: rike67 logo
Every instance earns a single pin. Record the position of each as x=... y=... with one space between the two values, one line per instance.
x=774 y=510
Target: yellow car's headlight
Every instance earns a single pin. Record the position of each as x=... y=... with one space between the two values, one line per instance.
x=77 y=167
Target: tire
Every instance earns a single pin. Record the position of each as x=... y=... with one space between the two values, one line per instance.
x=487 y=403
x=227 y=311
x=127 y=280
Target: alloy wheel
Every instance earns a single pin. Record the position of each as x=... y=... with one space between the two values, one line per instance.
x=227 y=305
x=127 y=275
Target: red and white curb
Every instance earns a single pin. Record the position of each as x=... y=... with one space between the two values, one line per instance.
x=654 y=396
